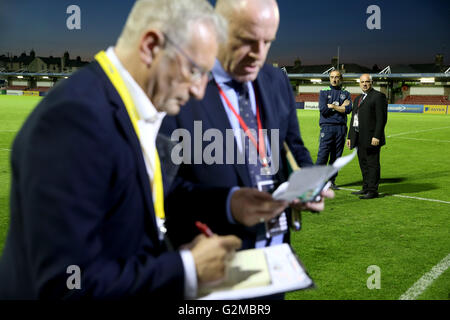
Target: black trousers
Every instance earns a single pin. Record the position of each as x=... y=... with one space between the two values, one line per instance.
x=369 y=162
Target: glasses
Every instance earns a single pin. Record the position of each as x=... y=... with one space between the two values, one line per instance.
x=196 y=72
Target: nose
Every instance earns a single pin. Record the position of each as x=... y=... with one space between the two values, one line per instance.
x=197 y=89
x=257 y=50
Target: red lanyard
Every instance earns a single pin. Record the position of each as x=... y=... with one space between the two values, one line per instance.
x=261 y=147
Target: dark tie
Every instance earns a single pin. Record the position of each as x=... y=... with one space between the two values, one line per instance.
x=363 y=96
x=246 y=113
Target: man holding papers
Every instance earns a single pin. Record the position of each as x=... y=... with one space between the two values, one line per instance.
x=244 y=97
x=87 y=193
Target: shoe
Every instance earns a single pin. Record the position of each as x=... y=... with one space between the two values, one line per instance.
x=360 y=192
x=334 y=186
x=370 y=195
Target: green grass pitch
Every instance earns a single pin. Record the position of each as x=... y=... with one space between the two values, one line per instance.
x=404 y=237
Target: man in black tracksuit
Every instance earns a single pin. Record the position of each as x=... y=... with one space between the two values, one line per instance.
x=334 y=105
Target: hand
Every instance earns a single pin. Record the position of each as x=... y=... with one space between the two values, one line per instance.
x=346 y=103
x=330 y=106
x=313 y=206
x=250 y=206
x=211 y=256
x=375 y=142
x=349 y=143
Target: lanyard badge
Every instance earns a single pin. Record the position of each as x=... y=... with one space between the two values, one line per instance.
x=260 y=145
x=157 y=184
x=277 y=225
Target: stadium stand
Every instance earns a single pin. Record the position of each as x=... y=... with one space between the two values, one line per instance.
x=313 y=97
x=42 y=89
x=424 y=100
x=16 y=87
x=307 y=97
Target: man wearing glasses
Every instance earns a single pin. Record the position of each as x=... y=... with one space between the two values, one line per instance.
x=87 y=195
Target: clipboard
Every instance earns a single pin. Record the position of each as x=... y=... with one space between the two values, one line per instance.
x=264 y=271
x=307 y=183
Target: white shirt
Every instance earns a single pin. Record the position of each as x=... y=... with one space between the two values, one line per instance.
x=149 y=124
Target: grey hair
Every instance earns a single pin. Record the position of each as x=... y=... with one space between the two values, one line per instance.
x=172 y=17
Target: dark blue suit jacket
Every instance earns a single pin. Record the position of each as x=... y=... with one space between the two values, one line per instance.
x=278 y=112
x=80 y=195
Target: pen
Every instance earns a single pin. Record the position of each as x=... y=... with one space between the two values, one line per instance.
x=204 y=229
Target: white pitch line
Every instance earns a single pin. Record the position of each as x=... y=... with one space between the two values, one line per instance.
x=419 y=131
x=419 y=287
x=406 y=197
x=5 y=149
x=432 y=140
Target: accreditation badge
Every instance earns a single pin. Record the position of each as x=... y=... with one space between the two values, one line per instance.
x=277 y=225
x=356 y=121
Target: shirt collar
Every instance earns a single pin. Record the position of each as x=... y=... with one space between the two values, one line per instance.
x=221 y=76
x=219 y=73
x=144 y=106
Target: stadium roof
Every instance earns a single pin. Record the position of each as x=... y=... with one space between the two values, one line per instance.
x=393 y=76
x=352 y=70
x=321 y=68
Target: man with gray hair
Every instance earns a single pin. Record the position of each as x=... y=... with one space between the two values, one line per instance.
x=87 y=194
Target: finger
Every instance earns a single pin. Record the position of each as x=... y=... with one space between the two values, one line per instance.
x=315 y=206
x=196 y=240
x=266 y=216
x=230 y=242
x=272 y=207
x=328 y=194
x=262 y=195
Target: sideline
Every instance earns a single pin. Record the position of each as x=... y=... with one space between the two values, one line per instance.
x=419 y=131
x=431 y=140
x=406 y=197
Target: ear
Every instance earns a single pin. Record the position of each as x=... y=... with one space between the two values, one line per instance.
x=151 y=43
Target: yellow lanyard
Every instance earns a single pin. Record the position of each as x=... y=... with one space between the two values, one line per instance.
x=119 y=84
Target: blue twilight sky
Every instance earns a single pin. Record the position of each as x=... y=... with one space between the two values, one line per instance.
x=412 y=31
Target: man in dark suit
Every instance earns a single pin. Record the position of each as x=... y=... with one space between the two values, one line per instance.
x=242 y=93
x=369 y=117
x=87 y=212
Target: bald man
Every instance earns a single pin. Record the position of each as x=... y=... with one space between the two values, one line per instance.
x=366 y=132
x=242 y=92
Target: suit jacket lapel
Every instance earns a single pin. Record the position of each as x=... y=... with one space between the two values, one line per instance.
x=266 y=103
x=365 y=100
x=214 y=109
x=129 y=133
x=270 y=119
